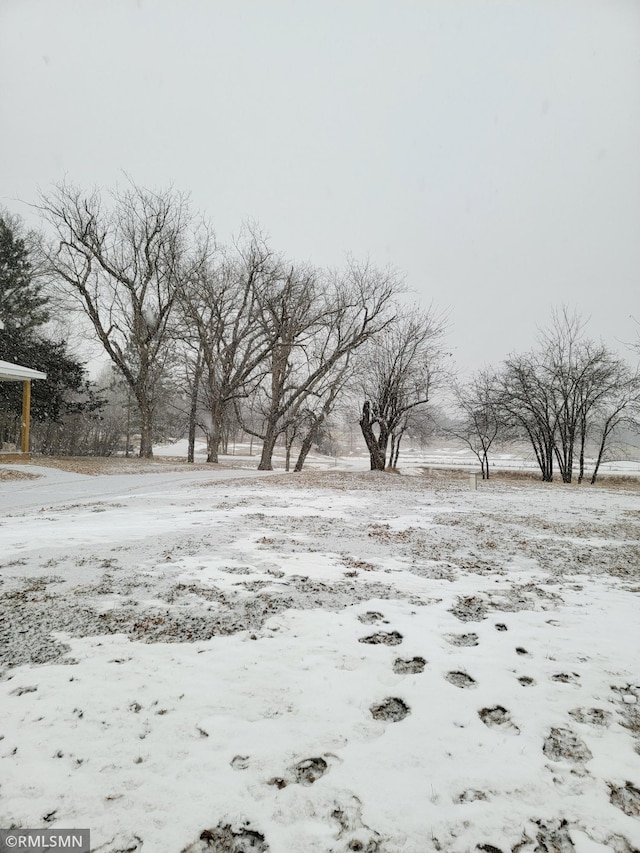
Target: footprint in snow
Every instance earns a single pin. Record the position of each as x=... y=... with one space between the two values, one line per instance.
x=566 y=678
x=526 y=681
x=554 y=836
x=409 y=666
x=498 y=718
x=353 y=833
x=224 y=837
x=305 y=772
x=460 y=679
x=386 y=638
x=591 y=716
x=462 y=639
x=310 y=770
x=565 y=745
x=626 y=798
x=470 y=608
x=471 y=795
x=370 y=617
x=391 y=710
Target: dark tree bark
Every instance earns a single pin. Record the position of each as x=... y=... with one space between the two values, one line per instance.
x=376 y=445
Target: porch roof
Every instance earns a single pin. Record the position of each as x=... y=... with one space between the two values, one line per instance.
x=10 y=372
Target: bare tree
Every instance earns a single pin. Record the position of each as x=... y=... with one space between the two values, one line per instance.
x=125 y=268
x=402 y=365
x=319 y=405
x=621 y=406
x=317 y=322
x=482 y=416
x=221 y=310
x=554 y=393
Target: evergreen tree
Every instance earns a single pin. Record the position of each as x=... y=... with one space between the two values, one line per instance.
x=24 y=314
x=22 y=303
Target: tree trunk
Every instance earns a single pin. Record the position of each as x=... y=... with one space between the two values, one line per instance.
x=213 y=442
x=307 y=444
x=126 y=450
x=268 y=445
x=583 y=438
x=287 y=457
x=193 y=409
x=377 y=447
x=395 y=452
x=601 y=450
x=146 y=430
x=606 y=429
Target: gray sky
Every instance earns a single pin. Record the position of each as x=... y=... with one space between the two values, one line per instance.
x=488 y=149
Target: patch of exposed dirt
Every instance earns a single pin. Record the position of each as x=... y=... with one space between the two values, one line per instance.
x=100 y=465
x=7 y=474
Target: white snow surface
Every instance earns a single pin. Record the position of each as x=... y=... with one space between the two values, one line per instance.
x=183 y=666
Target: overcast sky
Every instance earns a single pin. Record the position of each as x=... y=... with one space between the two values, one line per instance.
x=488 y=149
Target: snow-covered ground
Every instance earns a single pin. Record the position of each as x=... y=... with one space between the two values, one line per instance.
x=333 y=661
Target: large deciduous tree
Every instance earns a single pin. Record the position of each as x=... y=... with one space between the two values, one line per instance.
x=316 y=322
x=400 y=369
x=125 y=266
x=559 y=393
x=220 y=312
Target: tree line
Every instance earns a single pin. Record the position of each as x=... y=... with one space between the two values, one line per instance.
x=566 y=395
x=214 y=338
x=237 y=333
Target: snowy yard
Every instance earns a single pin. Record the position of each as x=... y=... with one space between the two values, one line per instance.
x=332 y=661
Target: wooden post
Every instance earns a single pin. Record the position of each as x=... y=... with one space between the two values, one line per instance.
x=26 y=412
